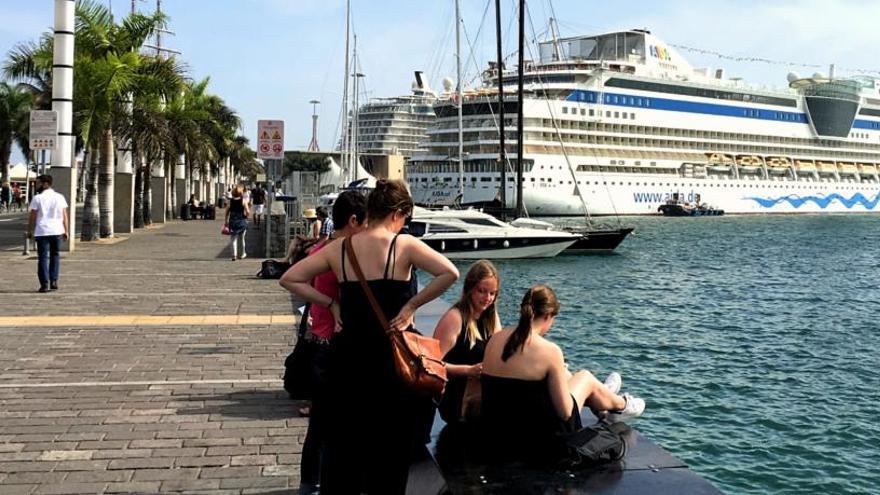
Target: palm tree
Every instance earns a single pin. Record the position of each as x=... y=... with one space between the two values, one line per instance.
x=15 y=106
x=106 y=73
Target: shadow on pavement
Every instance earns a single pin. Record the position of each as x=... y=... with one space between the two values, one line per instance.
x=246 y=404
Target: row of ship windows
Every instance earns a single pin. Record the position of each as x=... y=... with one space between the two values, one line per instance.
x=623 y=128
x=661 y=184
x=592 y=113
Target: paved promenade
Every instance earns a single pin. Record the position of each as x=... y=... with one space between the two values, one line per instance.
x=155 y=368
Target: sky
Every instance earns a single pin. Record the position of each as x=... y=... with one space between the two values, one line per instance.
x=268 y=58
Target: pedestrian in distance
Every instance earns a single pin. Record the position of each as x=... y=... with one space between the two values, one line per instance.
x=5 y=197
x=361 y=369
x=259 y=198
x=17 y=197
x=326 y=224
x=48 y=226
x=237 y=223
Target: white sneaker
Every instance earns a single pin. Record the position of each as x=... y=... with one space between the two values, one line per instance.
x=613 y=382
x=633 y=409
x=243 y=256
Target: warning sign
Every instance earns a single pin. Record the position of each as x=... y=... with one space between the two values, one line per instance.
x=43 y=129
x=270 y=145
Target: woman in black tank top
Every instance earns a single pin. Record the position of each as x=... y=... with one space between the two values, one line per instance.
x=374 y=423
x=463 y=332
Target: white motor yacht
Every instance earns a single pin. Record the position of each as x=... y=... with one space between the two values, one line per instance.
x=472 y=234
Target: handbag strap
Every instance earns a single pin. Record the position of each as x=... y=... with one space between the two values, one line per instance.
x=365 y=286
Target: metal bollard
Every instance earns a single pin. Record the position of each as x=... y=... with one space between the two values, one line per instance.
x=27 y=245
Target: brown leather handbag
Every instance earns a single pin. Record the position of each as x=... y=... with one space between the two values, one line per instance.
x=417 y=358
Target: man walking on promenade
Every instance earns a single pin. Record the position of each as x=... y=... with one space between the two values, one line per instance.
x=48 y=224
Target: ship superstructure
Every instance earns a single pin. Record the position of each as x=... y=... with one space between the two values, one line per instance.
x=624 y=121
x=397 y=125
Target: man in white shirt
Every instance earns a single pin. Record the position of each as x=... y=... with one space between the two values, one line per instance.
x=48 y=225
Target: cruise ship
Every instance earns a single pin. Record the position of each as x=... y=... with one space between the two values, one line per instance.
x=397 y=125
x=619 y=122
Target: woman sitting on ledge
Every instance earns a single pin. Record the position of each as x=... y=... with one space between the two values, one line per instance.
x=529 y=397
x=463 y=333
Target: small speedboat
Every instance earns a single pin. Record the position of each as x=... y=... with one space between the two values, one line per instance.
x=472 y=234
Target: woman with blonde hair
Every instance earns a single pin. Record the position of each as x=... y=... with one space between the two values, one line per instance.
x=529 y=397
x=361 y=371
x=463 y=333
x=236 y=219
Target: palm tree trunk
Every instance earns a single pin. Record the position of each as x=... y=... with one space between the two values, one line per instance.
x=148 y=193
x=188 y=178
x=5 y=150
x=91 y=218
x=169 y=182
x=138 y=191
x=105 y=183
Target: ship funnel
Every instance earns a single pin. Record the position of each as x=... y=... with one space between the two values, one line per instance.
x=719 y=74
x=420 y=84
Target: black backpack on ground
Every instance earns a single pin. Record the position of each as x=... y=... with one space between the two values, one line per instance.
x=598 y=444
x=273 y=269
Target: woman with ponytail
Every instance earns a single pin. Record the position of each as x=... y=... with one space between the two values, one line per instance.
x=463 y=332
x=530 y=397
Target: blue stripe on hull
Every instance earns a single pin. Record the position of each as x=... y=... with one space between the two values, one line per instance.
x=654 y=103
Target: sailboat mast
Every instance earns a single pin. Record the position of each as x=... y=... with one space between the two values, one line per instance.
x=502 y=151
x=460 y=101
x=355 y=110
x=519 y=110
x=345 y=123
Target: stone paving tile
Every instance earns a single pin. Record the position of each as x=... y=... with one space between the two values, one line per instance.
x=159 y=406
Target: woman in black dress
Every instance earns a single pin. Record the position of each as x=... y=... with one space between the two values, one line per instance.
x=374 y=423
x=530 y=397
x=463 y=332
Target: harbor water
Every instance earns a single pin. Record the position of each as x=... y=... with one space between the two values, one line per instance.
x=755 y=341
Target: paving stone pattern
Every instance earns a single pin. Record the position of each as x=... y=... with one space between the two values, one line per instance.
x=193 y=408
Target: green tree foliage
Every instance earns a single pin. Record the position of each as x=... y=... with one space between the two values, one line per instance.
x=296 y=161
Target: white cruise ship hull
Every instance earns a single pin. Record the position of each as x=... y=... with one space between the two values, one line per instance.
x=637 y=194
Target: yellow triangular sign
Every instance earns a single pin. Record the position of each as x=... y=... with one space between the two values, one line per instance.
x=277 y=135
x=265 y=135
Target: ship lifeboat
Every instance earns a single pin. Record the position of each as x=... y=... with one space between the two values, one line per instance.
x=778 y=165
x=805 y=165
x=719 y=162
x=847 y=168
x=827 y=167
x=868 y=168
x=749 y=163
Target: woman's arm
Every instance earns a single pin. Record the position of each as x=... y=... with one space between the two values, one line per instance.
x=426 y=259
x=226 y=218
x=297 y=278
x=558 y=383
x=447 y=332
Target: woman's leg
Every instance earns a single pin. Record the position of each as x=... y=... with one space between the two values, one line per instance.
x=243 y=250
x=232 y=242
x=589 y=391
